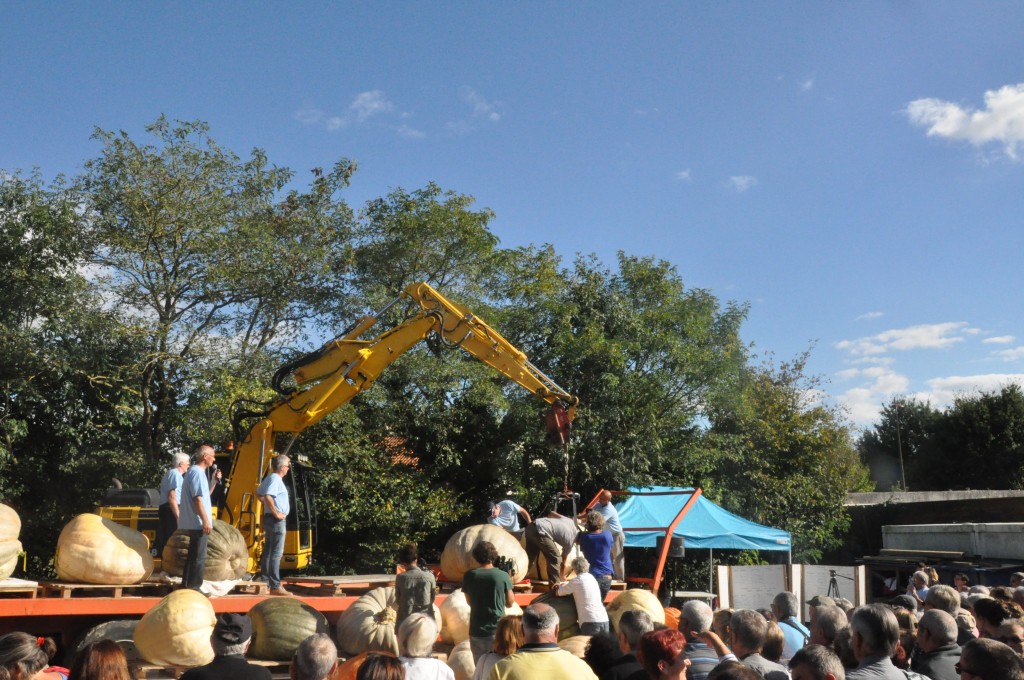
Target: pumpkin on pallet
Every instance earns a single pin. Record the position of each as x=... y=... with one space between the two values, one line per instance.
x=10 y=546
x=279 y=625
x=176 y=632
x=575 y=645
x=227 y=557
x=635 y=598
x=369 y=624
x=93 y=549
x=455 y=617
x=565 y=607
x=457 y=557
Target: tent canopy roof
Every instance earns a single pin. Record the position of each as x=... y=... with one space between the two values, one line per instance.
x=705 y=526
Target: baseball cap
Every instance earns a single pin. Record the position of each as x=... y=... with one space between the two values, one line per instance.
x=233 y=628
x=821 y=601
x=905 y=601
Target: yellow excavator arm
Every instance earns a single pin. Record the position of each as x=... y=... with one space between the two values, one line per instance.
x=344 y=367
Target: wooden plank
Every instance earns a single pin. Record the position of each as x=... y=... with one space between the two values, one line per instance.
x=17 y=587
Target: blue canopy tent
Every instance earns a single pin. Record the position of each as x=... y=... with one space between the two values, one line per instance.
x=662 y=511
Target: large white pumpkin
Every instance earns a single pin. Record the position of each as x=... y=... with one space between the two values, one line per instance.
x=575 y=645
x=635 y=598
x=369 y=624
x=455 y=612
x=93 y=549
x=176 y=632
x=457 y=557
x=461 y=661
x=455 y=618
x=10 y=546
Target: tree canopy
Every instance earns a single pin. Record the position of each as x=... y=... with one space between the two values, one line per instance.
x=169 y=279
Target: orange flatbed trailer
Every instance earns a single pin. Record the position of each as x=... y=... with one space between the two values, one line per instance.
x=65 y=618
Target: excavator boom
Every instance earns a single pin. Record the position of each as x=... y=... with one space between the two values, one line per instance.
x=345 y=366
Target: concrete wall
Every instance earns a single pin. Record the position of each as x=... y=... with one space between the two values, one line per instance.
x=1000 y=540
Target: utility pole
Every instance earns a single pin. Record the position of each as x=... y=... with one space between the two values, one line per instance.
x=899 y=447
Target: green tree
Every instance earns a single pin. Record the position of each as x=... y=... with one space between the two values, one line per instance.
x=902 y=432
x=65 y=400
x=785 y=458
x=208 y=257
x=978 y=443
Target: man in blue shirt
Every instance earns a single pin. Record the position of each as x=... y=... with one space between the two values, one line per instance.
x=195 y=516
x=614 y=526
x=786 y=608
x=505 y=514
x=274 y=495
x=170 y=495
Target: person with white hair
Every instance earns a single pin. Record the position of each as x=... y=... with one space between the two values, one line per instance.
x=316 y=658
x=541 y=657
x=936 y=636
x=918 y=587
x=786 y=608
x=170 y=495
x=875 y=634
x=695 y=618
x=590 y=611
x=416 y=636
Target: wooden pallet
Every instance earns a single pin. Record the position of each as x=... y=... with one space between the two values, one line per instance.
x=338 y=585
x=147 y=671
x=69 y=590
x=16 y=587
x=250 y=588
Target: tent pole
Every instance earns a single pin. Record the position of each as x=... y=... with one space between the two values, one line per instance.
x=711 y=568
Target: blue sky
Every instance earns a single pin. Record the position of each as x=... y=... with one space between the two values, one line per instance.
x=854 y=171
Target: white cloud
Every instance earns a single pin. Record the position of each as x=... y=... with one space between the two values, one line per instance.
x=742 y=182
x=372 y=103
x=1014 y=354
x=999 y=340
x=807 y=85
x=684 y=175
x=869 y=315
x=481 y=107
x=925 y=336
x=410 y=133
x=335 y=123
x=1000 y=122
x=309 y=116
x=942 y=391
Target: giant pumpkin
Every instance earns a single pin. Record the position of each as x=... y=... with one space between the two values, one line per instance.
x=10 y=546
x=93 y=549
x=568 y=619
x=635 y=598
x=227 y=557
x=461 y=661
x=455 y=617
x=457 y=557
x=368 y=625
x=176 y=632
x=279 y=625
x=575 y=645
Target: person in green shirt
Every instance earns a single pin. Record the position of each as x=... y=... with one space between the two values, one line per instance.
x=415 y=588
x=488 y=591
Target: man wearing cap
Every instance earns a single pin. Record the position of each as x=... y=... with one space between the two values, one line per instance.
x=230 y=639
x=505 y=514
x=814 y=603
x=274 y=495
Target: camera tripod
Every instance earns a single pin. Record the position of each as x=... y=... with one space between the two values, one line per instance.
x=833 y=585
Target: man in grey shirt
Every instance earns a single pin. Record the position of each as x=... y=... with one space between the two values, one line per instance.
x=553 y=536
x=875 y=632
